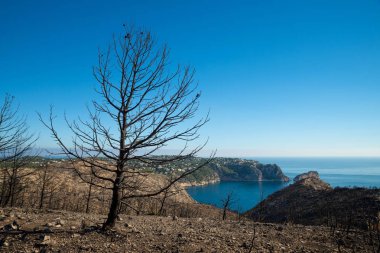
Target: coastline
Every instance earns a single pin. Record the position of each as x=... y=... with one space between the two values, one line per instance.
x=200 y=183
x=215 y=181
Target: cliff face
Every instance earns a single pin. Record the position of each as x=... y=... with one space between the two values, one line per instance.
x=272 y=172
x=311 y=201
x=231 y=169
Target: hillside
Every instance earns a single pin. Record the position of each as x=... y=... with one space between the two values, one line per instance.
x=310 y=201
x=58 y=231
x=59 y=187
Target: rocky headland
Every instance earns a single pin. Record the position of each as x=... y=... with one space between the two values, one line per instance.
x=311 y=201
x=310 y=174
x=234 y=169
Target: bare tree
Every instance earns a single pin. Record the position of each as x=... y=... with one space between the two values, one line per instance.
x=45 y=181
x=16 y=144
x=89 y=194
x=145 y=105
x=16 y=170
x=227 y=203
x=15 y=139
x=168 y=193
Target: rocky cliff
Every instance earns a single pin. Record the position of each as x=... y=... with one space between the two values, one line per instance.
x=235 y=169
x=247 y=170
x=309 y=174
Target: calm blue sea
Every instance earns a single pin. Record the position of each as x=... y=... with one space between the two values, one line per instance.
x=336 y=171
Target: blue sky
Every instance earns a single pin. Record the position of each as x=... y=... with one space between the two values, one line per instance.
x=280 y=78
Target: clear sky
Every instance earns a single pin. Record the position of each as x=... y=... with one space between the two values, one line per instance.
x=281 y=78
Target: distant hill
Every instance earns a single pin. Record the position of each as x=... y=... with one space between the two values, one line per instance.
x=236 y=169
x=311 y=201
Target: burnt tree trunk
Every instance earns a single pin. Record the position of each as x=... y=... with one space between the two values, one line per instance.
x=162 y=204
x=113 y=211
x=3 y=187
x=14 y=185
x=42 y=195
x=89 y=197
x=226 y=205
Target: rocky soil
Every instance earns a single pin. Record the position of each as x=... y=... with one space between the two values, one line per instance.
x=55 y=231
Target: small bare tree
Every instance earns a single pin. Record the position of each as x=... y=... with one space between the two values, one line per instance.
x=17 y=169
x=166 y=195
x=226 y=204
x=45 y=182
x=89 y=194
x=146 y=104
x=15 y=139
x=16 y=145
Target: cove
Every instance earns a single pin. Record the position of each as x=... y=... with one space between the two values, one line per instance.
x=245 y=194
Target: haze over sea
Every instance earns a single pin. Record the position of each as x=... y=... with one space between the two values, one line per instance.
x=342 y=171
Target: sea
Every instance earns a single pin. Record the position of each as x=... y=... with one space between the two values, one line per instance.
x=338 y=172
